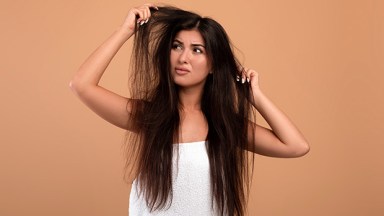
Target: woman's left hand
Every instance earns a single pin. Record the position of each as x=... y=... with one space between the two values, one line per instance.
x=250 y=76
x=283 y=139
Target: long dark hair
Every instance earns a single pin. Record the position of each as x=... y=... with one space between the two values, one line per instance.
x=155 y=111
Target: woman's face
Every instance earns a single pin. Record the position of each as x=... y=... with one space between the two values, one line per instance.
x=189 y=61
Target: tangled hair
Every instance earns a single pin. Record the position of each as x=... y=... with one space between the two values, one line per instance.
x=156 y=119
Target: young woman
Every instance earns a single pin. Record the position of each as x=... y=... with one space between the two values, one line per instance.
x=190 y=113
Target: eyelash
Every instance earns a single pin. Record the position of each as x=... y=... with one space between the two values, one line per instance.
x=176 y=46
x=179 y=46
x=197 y=50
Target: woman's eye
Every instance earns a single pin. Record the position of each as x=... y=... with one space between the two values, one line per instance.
x=176 y=46
x=197 y=50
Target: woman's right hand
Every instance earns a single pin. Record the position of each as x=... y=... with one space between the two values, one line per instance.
x=139 y=15
x=112 y=107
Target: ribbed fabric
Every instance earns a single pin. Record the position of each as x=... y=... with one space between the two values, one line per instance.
x=191 y=185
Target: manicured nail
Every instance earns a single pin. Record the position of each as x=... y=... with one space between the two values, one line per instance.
x=142 y=22
x=242 y=80
x=237 y=78
x=247 y=79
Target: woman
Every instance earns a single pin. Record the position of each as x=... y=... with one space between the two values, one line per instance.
x=191 y=113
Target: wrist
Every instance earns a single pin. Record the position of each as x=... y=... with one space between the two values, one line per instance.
x=257 y=97
x=125 y=32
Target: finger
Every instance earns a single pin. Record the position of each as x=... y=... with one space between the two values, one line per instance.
x=151 y=5
x=253 y=76
x=244 y=75
x=145 y=10
x=249 y=74
x=139 y=14
x=240 y=73
x=147 y=13
x=143 y=18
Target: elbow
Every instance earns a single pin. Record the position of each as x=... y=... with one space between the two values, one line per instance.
x=76 y=86
x=302 y=149
x=73 y=86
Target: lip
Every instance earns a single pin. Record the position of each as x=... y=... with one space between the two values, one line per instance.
x=181 y=70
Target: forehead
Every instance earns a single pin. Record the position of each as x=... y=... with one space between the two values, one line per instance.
x=190 y=36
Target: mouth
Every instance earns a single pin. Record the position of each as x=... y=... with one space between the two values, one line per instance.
x=181 y=71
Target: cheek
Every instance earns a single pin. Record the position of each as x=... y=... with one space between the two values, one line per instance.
x=202 y=65
x=172 y=58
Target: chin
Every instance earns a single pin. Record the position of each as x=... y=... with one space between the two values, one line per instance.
x=181 y=81
x=181 y=84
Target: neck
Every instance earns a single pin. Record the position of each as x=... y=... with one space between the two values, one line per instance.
x=190 y=98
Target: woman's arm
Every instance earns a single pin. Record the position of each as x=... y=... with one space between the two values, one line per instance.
x=110 y=106
x=285 y=139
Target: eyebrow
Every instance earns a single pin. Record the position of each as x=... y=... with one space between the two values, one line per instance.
x=194 y=44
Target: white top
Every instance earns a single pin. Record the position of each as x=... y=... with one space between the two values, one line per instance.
x=191 y=185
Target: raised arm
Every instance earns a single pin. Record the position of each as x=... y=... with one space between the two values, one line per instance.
x=85 y=83
x=283 y=139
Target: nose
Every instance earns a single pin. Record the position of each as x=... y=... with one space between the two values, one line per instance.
x=184 y=57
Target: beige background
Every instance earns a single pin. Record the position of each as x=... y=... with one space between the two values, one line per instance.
x=321 y=61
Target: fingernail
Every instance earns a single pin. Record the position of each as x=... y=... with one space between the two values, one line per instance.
x=237 y=78
x=247 y=79
x=142 y=22
x=243 y=80
x=146 y=20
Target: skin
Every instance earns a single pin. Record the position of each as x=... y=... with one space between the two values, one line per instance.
x=190 y=68
x=282 y=140
x=189 y=62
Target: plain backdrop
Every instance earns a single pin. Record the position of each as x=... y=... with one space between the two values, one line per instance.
x=321 y=61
